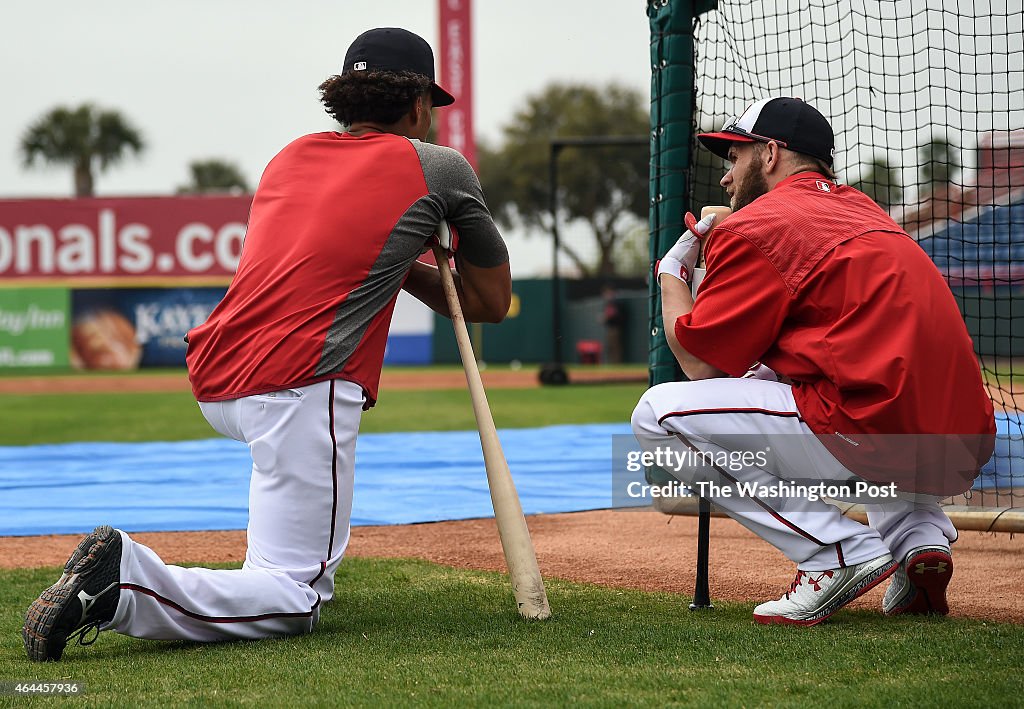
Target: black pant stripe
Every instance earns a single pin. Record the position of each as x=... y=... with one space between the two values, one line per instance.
x=334 y=469
x=711 y=412
x=760 y=503
x=217 y=619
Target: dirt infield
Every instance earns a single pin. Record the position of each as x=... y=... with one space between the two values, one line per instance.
x=638 y=549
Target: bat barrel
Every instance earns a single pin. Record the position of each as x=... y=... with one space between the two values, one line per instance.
x=520 y=556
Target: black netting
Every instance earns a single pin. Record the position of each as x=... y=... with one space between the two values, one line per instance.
x=927 y=102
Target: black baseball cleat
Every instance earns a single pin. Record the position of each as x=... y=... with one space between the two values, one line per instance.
x=84 y=598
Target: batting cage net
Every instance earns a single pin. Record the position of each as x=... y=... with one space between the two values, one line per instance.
x=927 y=103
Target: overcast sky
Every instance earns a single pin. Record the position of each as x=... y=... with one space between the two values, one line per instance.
x=236 y=79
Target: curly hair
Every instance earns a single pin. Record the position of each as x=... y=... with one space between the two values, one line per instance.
x=376 y=96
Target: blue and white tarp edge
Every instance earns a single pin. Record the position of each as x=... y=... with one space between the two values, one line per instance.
x=401 y=478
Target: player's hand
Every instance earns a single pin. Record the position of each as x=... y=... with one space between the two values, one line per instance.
x=682 y=257
x=444 y=235
x=700 y=228
x=447 y=237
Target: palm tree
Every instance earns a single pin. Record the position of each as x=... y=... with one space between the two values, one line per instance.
x=85 y=137
x=214 y=176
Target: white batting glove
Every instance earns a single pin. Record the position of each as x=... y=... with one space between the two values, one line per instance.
x=679 y=261
x=444 y=235
x=682 y=257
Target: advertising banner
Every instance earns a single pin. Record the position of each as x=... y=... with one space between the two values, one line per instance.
x=455 y=122
x=111 y=240
x=34 y=328
x=115 y=283
x=130 y=328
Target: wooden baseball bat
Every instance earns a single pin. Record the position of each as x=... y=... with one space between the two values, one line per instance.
x=720 y=215
x=698 y=273
x=721 y=212
x=527 y=584
x=701 y=590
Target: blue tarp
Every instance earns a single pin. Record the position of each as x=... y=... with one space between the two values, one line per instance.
x=401 y=478
x=1006 y=467
x=195 y=485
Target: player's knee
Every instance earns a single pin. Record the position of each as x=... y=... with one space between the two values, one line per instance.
x=644 y=418
x=658 y=412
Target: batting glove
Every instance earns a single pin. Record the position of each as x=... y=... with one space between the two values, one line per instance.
x=447 y=237
x=682 y=257
x=700 y=228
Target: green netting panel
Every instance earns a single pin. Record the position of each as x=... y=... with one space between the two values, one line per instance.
x=927 y=101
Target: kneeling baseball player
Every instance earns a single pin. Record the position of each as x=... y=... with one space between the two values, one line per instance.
x=292 y=355
x=825 y=351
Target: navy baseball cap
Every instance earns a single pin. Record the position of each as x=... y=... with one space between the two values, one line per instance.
x=395 y=49
x=790 y=122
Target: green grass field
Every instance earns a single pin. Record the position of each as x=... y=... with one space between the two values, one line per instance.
x=174 y=416
x=410 y=633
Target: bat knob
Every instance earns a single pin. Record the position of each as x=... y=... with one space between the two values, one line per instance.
x=720 y=212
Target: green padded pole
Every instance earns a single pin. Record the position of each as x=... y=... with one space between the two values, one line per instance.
x=673 y=105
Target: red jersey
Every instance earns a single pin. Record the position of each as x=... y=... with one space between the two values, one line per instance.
x=817 y=282
x=335 y=225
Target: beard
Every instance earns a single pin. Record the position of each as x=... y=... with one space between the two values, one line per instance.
x=751 y=187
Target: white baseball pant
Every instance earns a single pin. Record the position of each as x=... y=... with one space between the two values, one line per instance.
x=302 y=443
x=719 y=416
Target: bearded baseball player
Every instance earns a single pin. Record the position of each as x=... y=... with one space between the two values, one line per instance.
x=824 y=348
x=293 y=354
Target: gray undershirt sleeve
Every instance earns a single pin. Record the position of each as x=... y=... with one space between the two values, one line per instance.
x=451 y=180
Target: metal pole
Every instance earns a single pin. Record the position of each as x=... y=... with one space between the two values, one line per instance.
x=701 y=592
x=554 y=371
x=556 y=316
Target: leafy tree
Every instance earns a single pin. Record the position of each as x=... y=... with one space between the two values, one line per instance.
x=605 y=188
x=86 y=137
x=210 y=176
x=880 y=181
x=938 y=165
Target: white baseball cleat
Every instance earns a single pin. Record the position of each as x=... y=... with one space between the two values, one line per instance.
x=815 y=595
x=919 y=585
